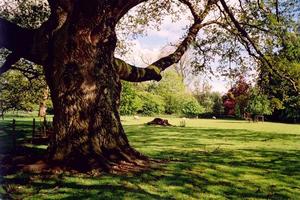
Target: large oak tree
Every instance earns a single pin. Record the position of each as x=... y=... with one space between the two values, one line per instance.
x=76 y=47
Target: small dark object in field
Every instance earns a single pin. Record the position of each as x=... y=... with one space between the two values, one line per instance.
x=159 y=121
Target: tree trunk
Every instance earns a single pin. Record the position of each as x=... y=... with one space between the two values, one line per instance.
x=85 y=90
x=43 y=107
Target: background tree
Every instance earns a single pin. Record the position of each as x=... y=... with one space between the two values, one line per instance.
x=130 y=102
x=192 y=108
x=165 y=97
x=284 y=99
x=229 y=104
x=218 y=108
x=237 y=98
x=210 y=101
x=19 y=93
x=172 y=89
x=259 y=104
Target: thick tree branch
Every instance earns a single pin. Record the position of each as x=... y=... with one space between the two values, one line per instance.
x=191 y=7
x=152 y=72
x=15 y=38
x=122 y=7
x=29 y=73
x=10 y=60
x=22 y=42
x=132 y=73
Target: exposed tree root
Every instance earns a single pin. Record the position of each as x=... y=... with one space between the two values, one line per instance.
x=120 y=161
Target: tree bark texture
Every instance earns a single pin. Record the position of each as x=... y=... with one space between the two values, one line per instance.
x=85 y=90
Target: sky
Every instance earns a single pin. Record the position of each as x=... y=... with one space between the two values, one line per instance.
x=146 y=49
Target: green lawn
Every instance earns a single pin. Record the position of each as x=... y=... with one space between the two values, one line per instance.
x=211 y=159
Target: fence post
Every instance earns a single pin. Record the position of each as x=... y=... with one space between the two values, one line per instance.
x=14 y=142
x=44 y=126
x=33 y=130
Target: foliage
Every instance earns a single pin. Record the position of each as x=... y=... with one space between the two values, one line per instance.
x=167 y=96
x=210 y=101
x=191 y=108
x=237 y=98
x=292 y=110
x=19 y=93
x=263 y=21
x=218 y=108
x=206 y=99
x=229 y=103
x=173 y=103
x=130 y=102
x=259 y=104
x=282 y=94
x=151 y=104
x=26 y=13
x=237 y=111
x=172 y=89
x=171 y=83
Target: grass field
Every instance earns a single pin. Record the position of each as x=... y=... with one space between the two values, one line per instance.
x=211 y=159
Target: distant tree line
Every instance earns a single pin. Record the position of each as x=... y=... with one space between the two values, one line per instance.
x=169 y=96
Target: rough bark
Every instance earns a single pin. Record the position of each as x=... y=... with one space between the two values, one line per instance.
x=85 y=91
x=76 y=47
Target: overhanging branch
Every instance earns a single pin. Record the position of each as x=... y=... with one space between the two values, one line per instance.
x=22 y=42
x=10 y=60
x=132 y=73
x=152 y=72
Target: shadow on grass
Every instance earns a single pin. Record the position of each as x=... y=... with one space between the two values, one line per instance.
x=205 y=164
x=151 y=134
x=23 y=130
x=215 y=174
x=74 y=190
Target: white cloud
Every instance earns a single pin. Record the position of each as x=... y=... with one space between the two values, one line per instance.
x=141 y=56
x=171 y=31
x=147 y=49
x=219 y=85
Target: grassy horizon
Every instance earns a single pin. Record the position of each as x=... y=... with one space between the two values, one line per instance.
x=210 y=159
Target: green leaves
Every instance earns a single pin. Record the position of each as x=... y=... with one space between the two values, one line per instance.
x=192 y=108
x=18 y=93
x=259 y=104
x=130 y=102
x=167 y=96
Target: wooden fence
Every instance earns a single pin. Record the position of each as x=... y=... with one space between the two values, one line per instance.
x=36 y=134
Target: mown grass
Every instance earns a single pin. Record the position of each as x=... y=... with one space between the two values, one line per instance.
x=210 y=159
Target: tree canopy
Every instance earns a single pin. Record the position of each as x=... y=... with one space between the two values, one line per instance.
x=226 y=30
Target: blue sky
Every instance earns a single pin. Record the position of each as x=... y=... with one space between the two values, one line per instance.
x=149 y=48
